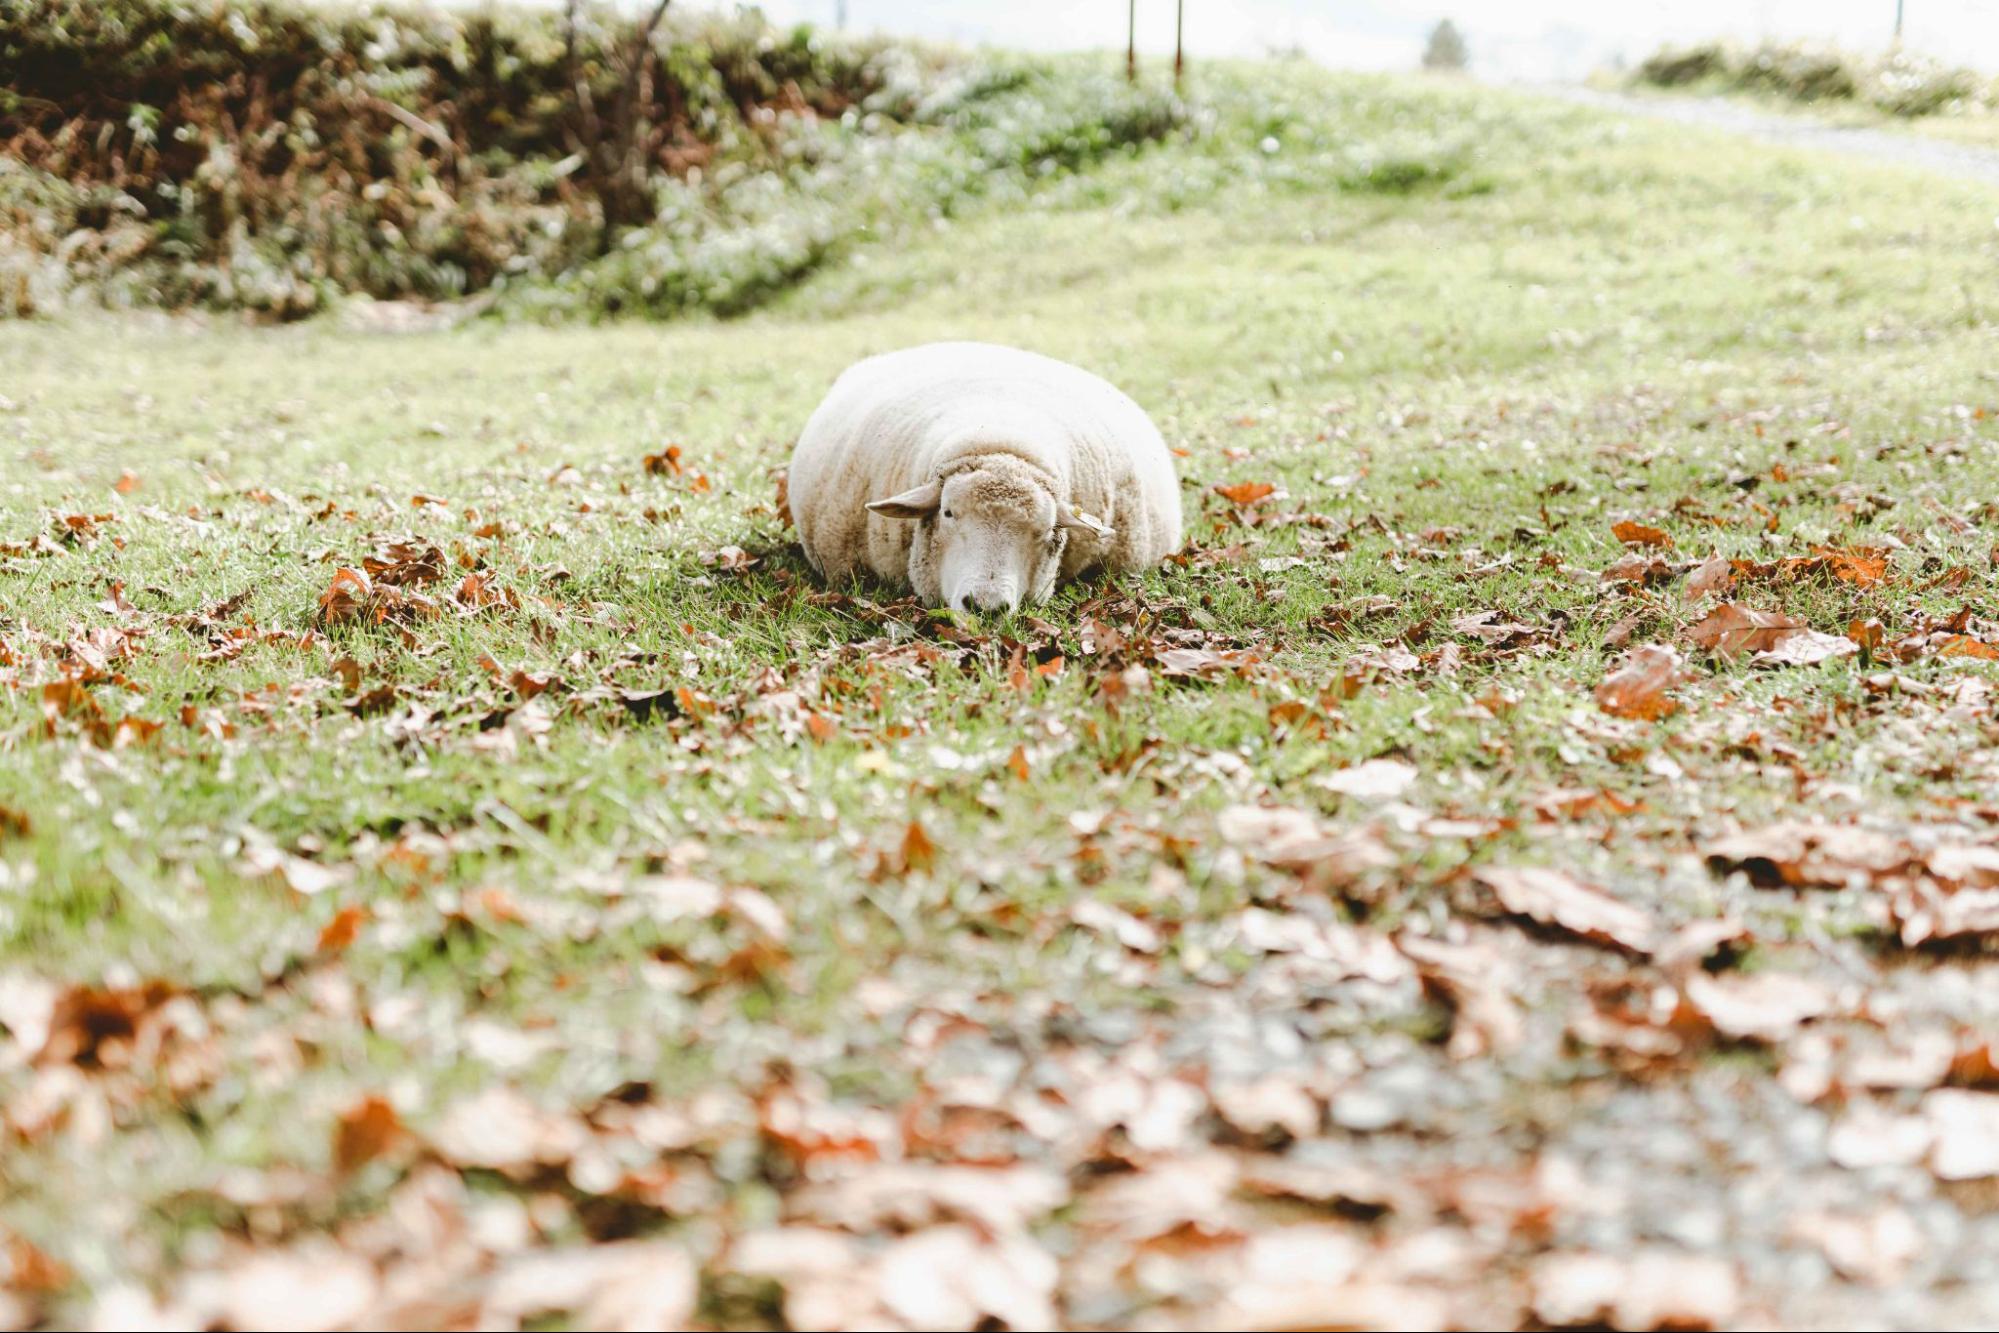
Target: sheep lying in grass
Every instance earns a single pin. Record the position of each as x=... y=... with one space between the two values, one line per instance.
x=979 y=475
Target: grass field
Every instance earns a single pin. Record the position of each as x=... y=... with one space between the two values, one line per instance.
x=592 y=919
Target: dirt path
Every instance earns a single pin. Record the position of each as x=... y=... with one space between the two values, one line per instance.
x=1964 y=161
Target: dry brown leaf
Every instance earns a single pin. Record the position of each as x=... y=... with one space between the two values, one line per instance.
x=1294 y=840
x=1373 y=780
x=1471 y=979
x=1762 y=1006
x=310 y=1286
x=905 y=1196
x=1647 y=1289
x=1965 y=1126
x=1963 y=645
x=1246 y=492
x=1875 y=1248
x=345 y=597
x=501 y=1130
x=1637 y=534
x=1553 y=899
x=1731 y=629
x=952 y=1277
x=364 y=1132
x=622 y=1287
x=1800 y=854
x=1715 y=574
x=1807 y=648
x=342 y=929
x=1637 y=688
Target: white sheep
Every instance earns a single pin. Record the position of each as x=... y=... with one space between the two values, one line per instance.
x=978 y=475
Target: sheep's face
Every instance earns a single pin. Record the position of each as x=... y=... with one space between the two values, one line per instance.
x=987 y=538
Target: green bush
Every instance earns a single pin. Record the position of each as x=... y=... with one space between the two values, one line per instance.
x=1898 y=84
x=264 y=156
x=1675 y=67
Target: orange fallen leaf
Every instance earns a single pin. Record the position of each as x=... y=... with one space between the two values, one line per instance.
x=1637 y=689
x=1862 y=566
x=343 y=929
x=345 y=596
x=128 y=481
x=364 y=1132
x=1246 y=492
x=1017 y=763
x=1963 y=645
x=1732 y=629
x=918 y=851
x=1637 y=534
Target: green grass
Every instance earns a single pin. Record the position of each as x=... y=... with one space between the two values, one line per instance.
x=1460 y=373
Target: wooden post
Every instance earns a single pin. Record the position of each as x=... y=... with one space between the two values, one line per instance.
x=1179 y=48
x=1898 y=20
x=1131 y=42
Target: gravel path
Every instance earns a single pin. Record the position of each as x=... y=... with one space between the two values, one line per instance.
x=1963 y=161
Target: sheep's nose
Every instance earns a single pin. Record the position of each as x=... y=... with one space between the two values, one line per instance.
x=993 y=599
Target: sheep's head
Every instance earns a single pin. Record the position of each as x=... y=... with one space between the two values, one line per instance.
x=988 y=536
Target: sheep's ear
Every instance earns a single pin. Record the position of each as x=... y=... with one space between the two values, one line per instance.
x=910 y=504
x=1090 y=523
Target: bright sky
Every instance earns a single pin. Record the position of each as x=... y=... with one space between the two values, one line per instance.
x=1509 y=39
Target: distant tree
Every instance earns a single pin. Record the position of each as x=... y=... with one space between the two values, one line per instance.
x=1447 y=48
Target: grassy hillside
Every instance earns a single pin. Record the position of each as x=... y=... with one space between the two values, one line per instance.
x=575 y=912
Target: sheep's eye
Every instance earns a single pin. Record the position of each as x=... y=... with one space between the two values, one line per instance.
x=949 y=514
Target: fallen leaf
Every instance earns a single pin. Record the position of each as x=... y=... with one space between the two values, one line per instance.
x=1646 y=1289
x=1732 y=629
x=1807 y=648
x=952 y=1277
x=625 y=1286
x=1637 y=534
x=1374 y=780
x=1762 y=1006
x=918 y=852
x=1963 y=645
x=1553 y=899
x=500 y=1130
x=1246 y=492
x=1876 y=1248
x=1966 y=1129
x=364 y=1132
x=1637 y=688
x=345 y=597
x=1799 y=854
x=1715 y=574
x=343 y=929
x=310 y=1286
